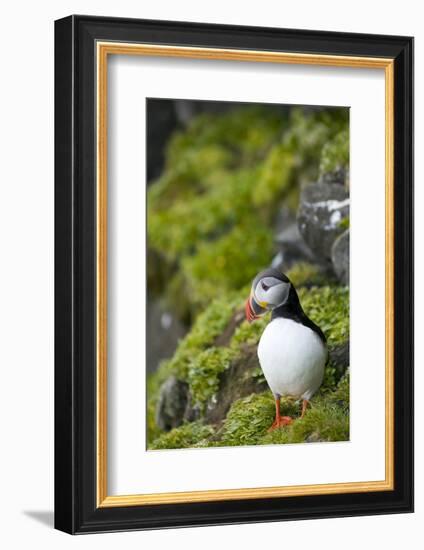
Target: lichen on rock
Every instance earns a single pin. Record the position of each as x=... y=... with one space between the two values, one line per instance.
x=322 y=208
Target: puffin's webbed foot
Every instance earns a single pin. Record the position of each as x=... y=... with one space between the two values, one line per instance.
x=281 y=422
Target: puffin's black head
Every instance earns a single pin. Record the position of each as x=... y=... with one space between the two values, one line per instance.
x=270 y=289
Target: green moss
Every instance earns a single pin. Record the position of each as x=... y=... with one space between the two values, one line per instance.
x=200 y=363
x=188 y=435
x=224 y=179
x=320 y=423
x=274 y=176
x=203 y=217
x=188 y=359
x=305 y=273
x=210 y=230
x=206 y=328
x=309 y=132
x=247 y=420
x=344 y=223
x=246 y=131
x=340 y=396
x=330 y=377
x=226 y=263
x=335 y=153
x=249 y=333
x=328 y=307
x=327 y=419
x=204 y=371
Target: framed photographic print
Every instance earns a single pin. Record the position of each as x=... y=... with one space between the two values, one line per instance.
x=234 y=274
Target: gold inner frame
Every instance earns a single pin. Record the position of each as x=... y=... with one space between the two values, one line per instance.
x=104 y=49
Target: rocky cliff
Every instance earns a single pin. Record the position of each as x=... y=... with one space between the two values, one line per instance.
x=239 y=192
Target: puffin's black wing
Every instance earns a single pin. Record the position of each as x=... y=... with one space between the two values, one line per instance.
x=310 y=324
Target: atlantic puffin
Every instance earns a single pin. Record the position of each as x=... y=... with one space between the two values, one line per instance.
x=292 y=350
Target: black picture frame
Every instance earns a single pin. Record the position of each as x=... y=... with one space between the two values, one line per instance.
x=76 y=510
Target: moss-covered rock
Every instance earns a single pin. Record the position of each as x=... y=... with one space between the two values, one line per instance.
x=226 y=389
x=224 y=179
x=226 y=263
x=249 y=418
x=334 y=164
x=204 y=373
x=211 y=228
x=309 y=275
x=243 y=377
x=208 y=326
x=192 y=434
x=172 y=403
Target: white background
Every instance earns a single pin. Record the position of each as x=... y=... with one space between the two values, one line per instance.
x=131 y=80
x=26 y=289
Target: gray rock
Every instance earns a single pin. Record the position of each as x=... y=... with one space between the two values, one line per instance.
x=161 y=122
x=340 y=358
x=291 y=248
x=340 y=257
x=192 y=411
x=164 y=331
x=236 y=382
x=314 y=437
x=339 y=176
x=322 y=207
x=285 y=217
x=172 y=403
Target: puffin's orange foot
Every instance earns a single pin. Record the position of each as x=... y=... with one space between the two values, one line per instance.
x=281 y=422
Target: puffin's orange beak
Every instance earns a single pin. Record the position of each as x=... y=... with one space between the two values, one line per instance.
x=250 y=314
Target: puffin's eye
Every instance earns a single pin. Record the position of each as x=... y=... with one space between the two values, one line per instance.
x=264 y=286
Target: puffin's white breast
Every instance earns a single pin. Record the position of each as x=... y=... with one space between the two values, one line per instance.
x=292 y=358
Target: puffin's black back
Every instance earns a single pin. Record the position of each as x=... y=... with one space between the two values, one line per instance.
x=293 y=310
